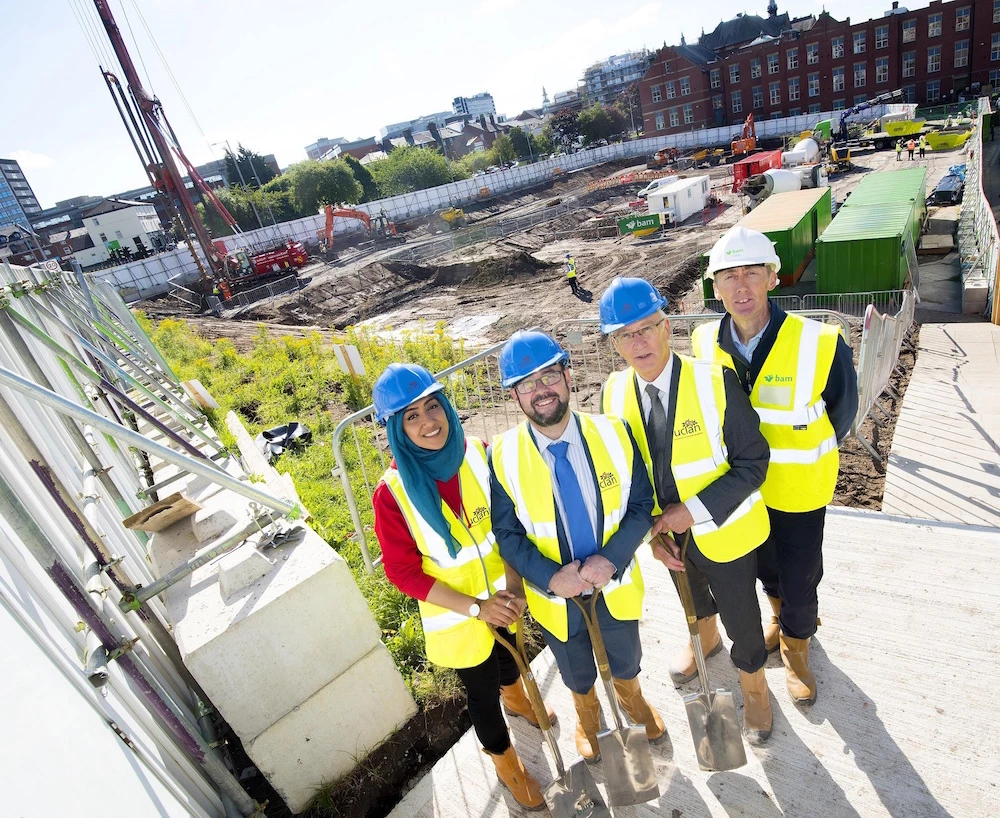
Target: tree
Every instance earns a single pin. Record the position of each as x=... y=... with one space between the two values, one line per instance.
x=595 y=124
x=256 y=172
x=544 y=143
x=503 y=150
x=619 y=123
x=630 y=106
x=361 y=173
x=522 y=142
x=565 y=128
x=408 y=169
x=314 y=184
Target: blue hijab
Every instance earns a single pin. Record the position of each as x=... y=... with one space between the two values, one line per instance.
x=420 y=468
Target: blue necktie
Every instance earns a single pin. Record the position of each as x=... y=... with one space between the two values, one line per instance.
x=577 y=519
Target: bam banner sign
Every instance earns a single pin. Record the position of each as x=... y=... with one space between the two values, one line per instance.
x=639 y=225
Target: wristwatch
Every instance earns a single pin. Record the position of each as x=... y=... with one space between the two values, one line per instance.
x=474 y=610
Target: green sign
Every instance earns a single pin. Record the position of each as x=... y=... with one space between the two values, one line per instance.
x=639 y=224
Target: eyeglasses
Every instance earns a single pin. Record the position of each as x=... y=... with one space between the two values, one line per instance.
x=531 y=384
x=645 y=333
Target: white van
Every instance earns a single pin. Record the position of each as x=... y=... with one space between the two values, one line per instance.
x=656 y=184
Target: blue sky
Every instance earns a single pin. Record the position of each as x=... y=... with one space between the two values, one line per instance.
x=278 y=75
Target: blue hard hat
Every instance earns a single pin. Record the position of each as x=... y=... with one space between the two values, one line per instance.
x=399 y=386
x=627 y=300
x=526 y=352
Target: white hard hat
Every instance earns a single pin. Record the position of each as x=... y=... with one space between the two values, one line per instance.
x=740 y=247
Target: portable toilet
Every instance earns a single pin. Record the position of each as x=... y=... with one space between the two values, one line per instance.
x=680 y=199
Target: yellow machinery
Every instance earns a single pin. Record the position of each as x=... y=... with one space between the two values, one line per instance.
x=454 y=217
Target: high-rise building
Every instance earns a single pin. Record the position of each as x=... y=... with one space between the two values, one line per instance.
x=18 y=204
x=605 y=80
x=475 y=105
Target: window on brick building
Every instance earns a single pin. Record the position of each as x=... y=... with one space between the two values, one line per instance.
x=656 y=93
x=772 y=63
x=675 y=118
x=859 y=42
x=995 y=77
x=688 y=114
x=814 y=108
x=961 y=54
x=794 y=111
x=838 y=47
x=995 y=48
x=659 y=121
x=758 y=97
x=715 y=78
x=813 y=80
x=909 y=31
x=909 y=63
x=734 y=74
x=882 y=69
x=996 y=11
x=838 y=78
x=685 y=86
x=909 y=93
x=793 y=89
x=839 y=104
x=754 y=69
x=717 y=102
x=860 y=74
x=881 y=36
x=812 y=53
x=671 y=90
x=776 y=115
x=774 y=93
x=860 y=99
x=933 y=59
x=934 y=25
x=737 y=98
x=792 y=57
x=933 y=90
x=963 y=17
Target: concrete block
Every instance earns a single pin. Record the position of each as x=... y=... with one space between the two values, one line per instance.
x=241 y=568
x=324 y=738
x=975 y=292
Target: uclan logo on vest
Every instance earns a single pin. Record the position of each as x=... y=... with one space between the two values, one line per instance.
x=688 y=427
x=479 y=515
x=607 y=481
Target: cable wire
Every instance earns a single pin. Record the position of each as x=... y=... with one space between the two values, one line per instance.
x=83 y=31
x=135 y=45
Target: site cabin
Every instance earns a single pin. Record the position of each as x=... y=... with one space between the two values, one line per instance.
x=681 y=199
x=865 y=248
x=793 y=221
x=753 y=165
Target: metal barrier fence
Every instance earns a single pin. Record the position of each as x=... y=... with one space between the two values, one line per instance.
x=851 y=304
x=266 y=292
x=882 y=339
x=85 y=401
x=978 y=238
x=473 y=385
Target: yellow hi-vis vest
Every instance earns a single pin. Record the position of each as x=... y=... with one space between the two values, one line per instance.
x=788 y=397
x=525 y=476
x=571 y=268
x=698 y=454
x=454 y=639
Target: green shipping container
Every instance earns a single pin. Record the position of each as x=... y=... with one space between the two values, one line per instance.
x=897 y=186
x=864 y=248
x=793 y=221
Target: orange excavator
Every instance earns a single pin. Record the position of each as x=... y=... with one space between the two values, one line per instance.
x=748 y=142
x=377 y=227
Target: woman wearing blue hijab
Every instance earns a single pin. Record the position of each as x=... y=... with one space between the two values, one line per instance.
x=433 y=522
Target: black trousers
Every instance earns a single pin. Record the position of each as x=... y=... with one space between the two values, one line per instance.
x=482 y=688
x=729 y=589
x=573 y=285
x=790 y=566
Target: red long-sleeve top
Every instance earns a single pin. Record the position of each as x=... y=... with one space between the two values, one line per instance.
x=401 y=559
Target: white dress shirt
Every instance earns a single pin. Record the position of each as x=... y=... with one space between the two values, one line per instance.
x=577 y=456
x=662 y=382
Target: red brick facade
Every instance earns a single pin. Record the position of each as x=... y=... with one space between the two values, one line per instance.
x=921 y=52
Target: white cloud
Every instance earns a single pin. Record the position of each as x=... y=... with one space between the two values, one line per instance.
x=487 y=8
x=29 y=160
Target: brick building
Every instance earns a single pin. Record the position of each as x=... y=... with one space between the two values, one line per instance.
x=777 y=66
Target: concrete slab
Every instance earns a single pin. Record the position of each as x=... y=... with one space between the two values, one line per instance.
x=902 y=726
x=945 y=459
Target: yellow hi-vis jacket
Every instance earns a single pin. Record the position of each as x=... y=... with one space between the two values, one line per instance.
x=525 y=476
x=788 y=398
x=570 y=267
x=453 y=639
x=698 y=454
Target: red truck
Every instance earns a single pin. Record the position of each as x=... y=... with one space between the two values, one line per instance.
x=246 y=266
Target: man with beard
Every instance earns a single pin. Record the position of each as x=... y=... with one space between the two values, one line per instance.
x=571 y=503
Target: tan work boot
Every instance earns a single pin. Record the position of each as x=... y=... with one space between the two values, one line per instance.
x=516 y=703
x=772 y=631
x=756 y=707
x=517 y=780
x=799 y=678
x=683 y=668
x=639 y=710
x=588 y=714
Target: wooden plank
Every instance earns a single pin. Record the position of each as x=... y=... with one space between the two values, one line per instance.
x=163 y=513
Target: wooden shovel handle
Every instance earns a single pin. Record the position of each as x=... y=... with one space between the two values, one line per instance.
x=521 y=660
x=596 y=640
x=684 y=588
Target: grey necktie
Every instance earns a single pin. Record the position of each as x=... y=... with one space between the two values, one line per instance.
x=657 y=438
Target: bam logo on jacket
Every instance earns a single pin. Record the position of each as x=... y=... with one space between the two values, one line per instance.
x=607 y=481
x=479 y=515
x=688 y=428
x=778 y=378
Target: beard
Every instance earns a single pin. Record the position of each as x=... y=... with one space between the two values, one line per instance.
x=550 y=415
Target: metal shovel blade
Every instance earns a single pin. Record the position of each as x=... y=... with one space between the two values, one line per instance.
x=715 y=727
x=574 y=794
x=628 y=764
